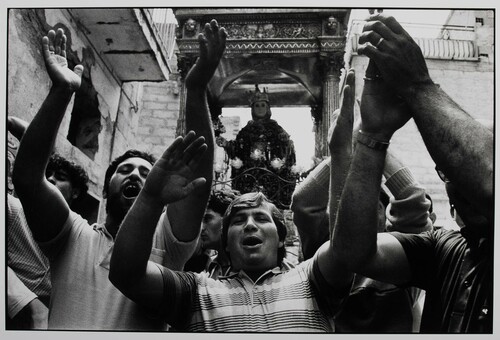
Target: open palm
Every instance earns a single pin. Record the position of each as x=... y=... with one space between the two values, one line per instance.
x=212 y=44
x=54 y=54
x=172 y=177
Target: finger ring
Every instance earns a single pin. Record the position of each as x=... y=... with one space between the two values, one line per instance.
x=379 y=41
x=51 y=52
x=375 y=78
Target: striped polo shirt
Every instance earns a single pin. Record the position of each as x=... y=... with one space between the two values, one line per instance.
x=24 y=255
x=296 y=300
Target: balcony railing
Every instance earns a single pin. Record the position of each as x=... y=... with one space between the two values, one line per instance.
x=164 y=23
x=436 y=41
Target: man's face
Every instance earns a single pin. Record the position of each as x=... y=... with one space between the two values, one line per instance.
x=60 y=179
x=125 y=184
x=252 y=240
x=468 y=214
x=211 y=229
x=260 y=109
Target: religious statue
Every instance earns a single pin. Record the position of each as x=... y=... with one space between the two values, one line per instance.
x=262 y=148
x=190 y=28
x=332 y=26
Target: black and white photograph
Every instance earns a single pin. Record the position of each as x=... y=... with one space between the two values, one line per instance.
x=248 y=168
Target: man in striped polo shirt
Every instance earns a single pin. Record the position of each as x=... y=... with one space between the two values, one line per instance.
x=258 y=295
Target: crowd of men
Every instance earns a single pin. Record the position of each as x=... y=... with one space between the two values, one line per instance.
x=373 y=262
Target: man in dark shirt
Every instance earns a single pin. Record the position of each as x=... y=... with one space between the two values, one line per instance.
x=453 y=267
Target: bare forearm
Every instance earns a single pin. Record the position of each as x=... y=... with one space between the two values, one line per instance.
x=45 y=208
x=198 y=119
x=339 y=169
x=459 y=145
x=355 y=234
x=39 y=138
x=134 y=241
x=186 y=215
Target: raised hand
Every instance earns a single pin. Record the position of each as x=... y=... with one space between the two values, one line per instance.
x=212 y=44
x=171 y=178
x=54 y=55
x=340 y=145
x=340 y=141
x=398 y=58
x=382 y=111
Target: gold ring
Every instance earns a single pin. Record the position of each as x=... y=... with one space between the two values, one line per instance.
x=380 y=40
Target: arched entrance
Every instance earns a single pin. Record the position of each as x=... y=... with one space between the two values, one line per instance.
x=297 y=54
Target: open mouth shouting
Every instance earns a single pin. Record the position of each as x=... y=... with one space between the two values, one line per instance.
x=131 y=190
x=251 y=242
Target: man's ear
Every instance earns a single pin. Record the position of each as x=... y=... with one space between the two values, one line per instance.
x=75 y=193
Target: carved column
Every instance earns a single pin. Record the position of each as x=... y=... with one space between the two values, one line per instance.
x=184 y=64
x=331 y=65
x=316 y=113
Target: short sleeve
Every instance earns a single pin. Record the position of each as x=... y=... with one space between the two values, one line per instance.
x=73 y=226
x=167 y=249
x=419 y=250
x=18 y=295
x=180 y=290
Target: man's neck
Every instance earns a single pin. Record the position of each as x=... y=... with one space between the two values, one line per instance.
x=255 y=275
x=112 y=225
x=222 y=258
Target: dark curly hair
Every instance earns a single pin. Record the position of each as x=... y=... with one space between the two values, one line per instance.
x=252 y=200
x=77 y=175
x=220 y=199
x=114 y=164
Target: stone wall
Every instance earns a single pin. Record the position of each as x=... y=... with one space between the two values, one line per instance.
x=122 y=112
x=157 y=116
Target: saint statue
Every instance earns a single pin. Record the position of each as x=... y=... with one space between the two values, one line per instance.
x=262 y=148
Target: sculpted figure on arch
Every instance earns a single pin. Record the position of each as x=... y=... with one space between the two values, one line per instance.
x=262 y=143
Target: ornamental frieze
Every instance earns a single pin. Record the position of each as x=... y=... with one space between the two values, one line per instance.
x=273 y=30
x=331 y=44
x=280 y=46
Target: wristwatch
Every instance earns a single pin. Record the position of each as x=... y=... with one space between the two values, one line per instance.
x=371 y=143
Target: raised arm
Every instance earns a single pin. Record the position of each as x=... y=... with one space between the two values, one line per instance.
x=44 y=206
x=341 y=148
x=170 y=179
x=186 y=215
x=460 y=146
x=334 y=268
x=312 y=199
x=355 y=239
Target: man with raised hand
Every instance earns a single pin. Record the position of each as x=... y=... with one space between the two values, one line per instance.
x=259 y=288
x=454 y=267
x=183 y=218
x=82 y=297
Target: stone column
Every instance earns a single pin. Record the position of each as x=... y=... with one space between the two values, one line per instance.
x=331 y=65
x=316 y=112
x=184 y=64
